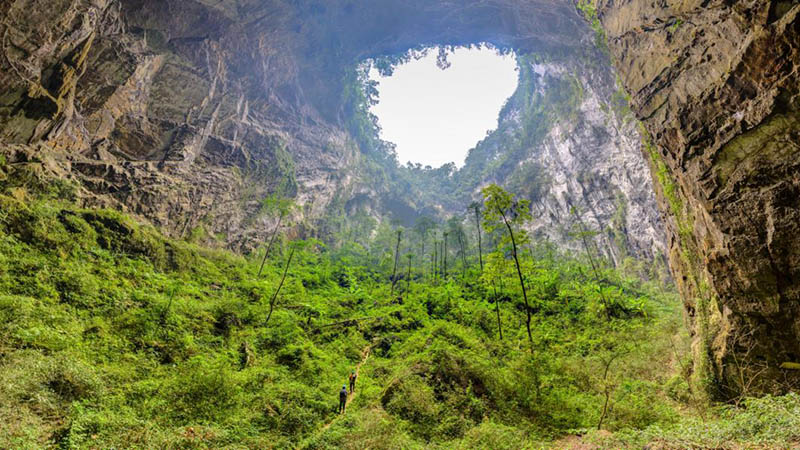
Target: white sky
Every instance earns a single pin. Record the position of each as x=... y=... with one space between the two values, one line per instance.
x=436 y=116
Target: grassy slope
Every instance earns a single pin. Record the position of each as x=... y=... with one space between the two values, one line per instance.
x=112 y=336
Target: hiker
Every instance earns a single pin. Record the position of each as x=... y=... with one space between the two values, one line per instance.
x=342 y=399
x=353 y=377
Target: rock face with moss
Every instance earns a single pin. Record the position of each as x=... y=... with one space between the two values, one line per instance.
x=191 y=113
x=716 y=85
x=159 y=109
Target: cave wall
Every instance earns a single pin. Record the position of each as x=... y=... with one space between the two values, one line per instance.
x=171 y=111
x=189 y=114
x=716 y=85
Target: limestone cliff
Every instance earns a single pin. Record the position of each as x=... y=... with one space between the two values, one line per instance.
x=716 y=85
x=169 y=110
x=567 y=140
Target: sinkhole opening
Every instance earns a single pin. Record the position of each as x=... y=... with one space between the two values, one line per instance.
x=436 y=103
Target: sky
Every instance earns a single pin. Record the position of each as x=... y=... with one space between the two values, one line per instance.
x=436 y=116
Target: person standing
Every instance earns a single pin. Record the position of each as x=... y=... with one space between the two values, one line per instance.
x=353 y=377
x=342 y=399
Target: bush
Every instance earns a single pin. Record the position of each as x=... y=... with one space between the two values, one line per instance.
x=768 y=422
x=113 y=335
x=414 y=400
x=119 y=233
x=493 y=435
x=205 y=391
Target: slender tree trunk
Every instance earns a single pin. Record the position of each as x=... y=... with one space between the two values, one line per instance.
x=591 y=261
x=396 y=255
x=422 y=258
x=280 y=285
x=433 y=263
x=271 y=240
x=408 y=280
x=463 y=258
x=521 y=278
x=497 y=310
x=435 y=259
x=480 y=243
x=440 y=261
x=607 y=391
x=444 y=251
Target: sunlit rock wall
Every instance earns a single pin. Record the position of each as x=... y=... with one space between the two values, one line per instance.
x=568 y=143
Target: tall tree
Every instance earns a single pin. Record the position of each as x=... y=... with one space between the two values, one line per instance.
x=456 y=228
x=491 y=275
x=422 y=226
x=280 y=285
x=396 y=256
x=463 y=257
x=503 y=210
x=477 y=208
x=435 y=259
x=409 y=256
x=284 y=206
x=497 y=311
x=444 y=252
x=585 y=235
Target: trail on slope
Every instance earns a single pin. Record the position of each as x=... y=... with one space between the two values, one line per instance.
x=364 y=357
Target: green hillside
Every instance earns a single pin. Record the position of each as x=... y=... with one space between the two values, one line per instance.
x=112 y=335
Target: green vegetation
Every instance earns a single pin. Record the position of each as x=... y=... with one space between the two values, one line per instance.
x=668 y=186
x=112 y=335
x=769 y=422
x=589 y=10
x=675 y=25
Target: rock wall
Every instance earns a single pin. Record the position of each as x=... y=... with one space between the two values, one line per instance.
x=568 y=142
x=190 y=114
x=171 y=111
x=716 y=85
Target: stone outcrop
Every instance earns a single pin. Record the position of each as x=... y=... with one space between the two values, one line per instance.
x=716 y=85
x=190 y=114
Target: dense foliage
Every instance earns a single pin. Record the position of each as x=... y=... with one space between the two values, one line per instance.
x=112 y=335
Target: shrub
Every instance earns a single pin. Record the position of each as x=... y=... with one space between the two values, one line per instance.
x=414 y=400
x=205 y=391
x=489 y=434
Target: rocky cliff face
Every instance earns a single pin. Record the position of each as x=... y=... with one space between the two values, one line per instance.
x=169 y=110
x=568 y=142
x=716 y=86
x=190 y=113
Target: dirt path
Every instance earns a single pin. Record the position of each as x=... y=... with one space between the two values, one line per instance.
x=364 y=357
